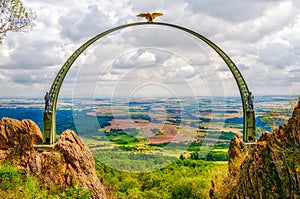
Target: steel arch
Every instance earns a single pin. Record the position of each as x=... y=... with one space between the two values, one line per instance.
x=49 y=125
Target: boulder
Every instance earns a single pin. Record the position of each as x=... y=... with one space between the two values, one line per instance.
x=68 y=161
x=269 y=168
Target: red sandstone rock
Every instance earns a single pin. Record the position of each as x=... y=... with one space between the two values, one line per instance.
x=70 y=160
x=268 y=169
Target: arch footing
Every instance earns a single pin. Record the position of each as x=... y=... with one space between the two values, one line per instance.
x=49 y=128
x=250 y=135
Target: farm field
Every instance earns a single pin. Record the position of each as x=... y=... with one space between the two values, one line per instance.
x=149 y=132
x=152 y=148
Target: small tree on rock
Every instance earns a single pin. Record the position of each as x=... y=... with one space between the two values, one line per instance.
x=278 y=116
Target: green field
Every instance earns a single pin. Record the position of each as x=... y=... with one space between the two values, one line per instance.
x=132 y=167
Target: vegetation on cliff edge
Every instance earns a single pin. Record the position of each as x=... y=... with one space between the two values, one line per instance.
x=15 y=183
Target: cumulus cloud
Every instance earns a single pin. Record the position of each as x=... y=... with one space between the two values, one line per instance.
x=2 y=77
x=135 y=59
x=147 y=57
x=234 y=11
x=77 y=23
x=260 y=36
x=277 y=55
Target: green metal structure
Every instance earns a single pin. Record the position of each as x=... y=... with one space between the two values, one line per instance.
x=49 y=125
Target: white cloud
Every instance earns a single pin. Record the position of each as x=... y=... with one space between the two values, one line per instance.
x=147 y=57
x=78 y=23
x=2 y=77
x=261 y=37
x=277 y=55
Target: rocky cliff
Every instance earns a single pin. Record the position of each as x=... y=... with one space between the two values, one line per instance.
x=68 y=161
x=269 y=168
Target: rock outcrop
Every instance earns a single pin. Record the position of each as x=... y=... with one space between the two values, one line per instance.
x=67 y=162
x=269 y=168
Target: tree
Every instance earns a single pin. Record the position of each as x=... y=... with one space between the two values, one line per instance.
x=274 y=117
x=278 y=116
x=15 y=17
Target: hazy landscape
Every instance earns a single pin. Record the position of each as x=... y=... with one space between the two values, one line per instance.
x=149 y=133
x=153 y=147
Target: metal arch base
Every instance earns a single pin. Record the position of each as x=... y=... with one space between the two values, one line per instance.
x=49 y=125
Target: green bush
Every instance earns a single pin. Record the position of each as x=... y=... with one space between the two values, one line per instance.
x=15 y=183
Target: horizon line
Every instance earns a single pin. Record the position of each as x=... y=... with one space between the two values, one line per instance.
x=139 y=97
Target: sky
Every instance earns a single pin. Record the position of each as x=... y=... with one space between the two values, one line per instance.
x=262 y=37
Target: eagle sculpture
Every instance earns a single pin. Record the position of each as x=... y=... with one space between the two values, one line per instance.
x=150 y=16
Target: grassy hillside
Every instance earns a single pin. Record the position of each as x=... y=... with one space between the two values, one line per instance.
x=15 y=183
x=182 y=179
